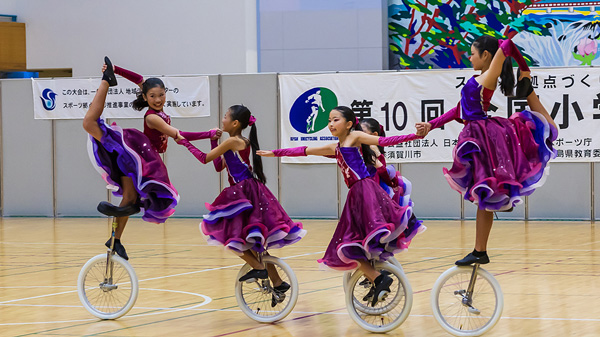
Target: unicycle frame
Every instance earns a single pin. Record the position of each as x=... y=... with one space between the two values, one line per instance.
x=266 y=288
x=467 y=299
x=265 y=285
x=108 y=274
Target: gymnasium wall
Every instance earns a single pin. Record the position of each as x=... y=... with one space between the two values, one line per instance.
x=316 y=35
x=45 y=169
x=150 y=36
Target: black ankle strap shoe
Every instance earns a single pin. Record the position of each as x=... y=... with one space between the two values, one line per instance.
x=109 y=73
x=118 y=248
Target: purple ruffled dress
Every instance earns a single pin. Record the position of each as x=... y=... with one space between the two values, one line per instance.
x=498 y=160
x=372 y=225
x=129 y=152
x=246 y=215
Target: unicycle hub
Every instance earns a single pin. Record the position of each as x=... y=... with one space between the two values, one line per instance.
x=107 y=286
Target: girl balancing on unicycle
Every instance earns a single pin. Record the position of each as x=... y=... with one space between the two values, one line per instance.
x=372 y=227
x=497 y=161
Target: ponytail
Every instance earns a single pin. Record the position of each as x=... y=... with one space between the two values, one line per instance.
x=244 y=116
x=139 y=103
x=257 y=166
x=507 y=77
x=373 y=126
x=367 y=152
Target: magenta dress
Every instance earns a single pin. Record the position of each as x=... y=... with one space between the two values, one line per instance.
x=497 y=160
x=246 y=215
x=131 y=153
x=372 y=226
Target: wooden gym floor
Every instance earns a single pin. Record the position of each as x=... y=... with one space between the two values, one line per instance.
x=549 y=273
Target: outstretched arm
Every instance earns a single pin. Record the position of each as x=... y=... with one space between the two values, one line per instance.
x=423 y=128
x=364 y=138
x=130 y=75
x=191 y=136
x=204 y=158
x=326 y=150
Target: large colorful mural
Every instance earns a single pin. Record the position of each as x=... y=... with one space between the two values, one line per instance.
x=438 y=34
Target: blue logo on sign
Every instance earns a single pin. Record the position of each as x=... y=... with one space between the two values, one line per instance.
x=310 y=111
x=48 y=99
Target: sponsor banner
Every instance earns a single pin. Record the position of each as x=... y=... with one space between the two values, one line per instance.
x=71 y=98
x=398 y=100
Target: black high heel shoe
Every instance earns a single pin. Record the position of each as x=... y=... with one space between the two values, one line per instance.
x=109 y=73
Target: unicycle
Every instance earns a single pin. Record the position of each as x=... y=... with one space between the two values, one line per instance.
x=467 y=300
x=259 y=300
x=107 y=284
x=391 y=310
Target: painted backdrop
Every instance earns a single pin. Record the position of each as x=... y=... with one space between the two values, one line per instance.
x=438 y=34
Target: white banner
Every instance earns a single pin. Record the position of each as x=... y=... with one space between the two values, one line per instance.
x=70 y=98
x=398 y=100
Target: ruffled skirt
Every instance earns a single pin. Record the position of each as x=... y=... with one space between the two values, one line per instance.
x=248 y=216
x=372 y=227
x=127 y=152
x=497 y=160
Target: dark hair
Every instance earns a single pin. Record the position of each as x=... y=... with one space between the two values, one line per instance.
x=242 y=114
x=373 y=126
x=139 y=103
x=507 y=77
x=348 y=114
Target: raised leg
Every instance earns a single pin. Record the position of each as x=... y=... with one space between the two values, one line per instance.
x=90 y=119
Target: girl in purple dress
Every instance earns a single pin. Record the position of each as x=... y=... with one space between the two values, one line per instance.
x=128 y=159
x=497 y=160
x=372 y=226
x=398 y=187
x=246 y=217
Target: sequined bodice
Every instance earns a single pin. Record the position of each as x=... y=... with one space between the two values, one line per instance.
x=351 y=162
x=238 y=165
x=157 y=139
x=474 y=100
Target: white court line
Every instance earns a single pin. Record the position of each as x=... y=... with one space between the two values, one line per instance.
x=40 y=296
x=155 y=278
x=218 y=268
x=206 y=301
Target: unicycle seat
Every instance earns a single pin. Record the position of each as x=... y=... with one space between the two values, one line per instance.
x=109 y=209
